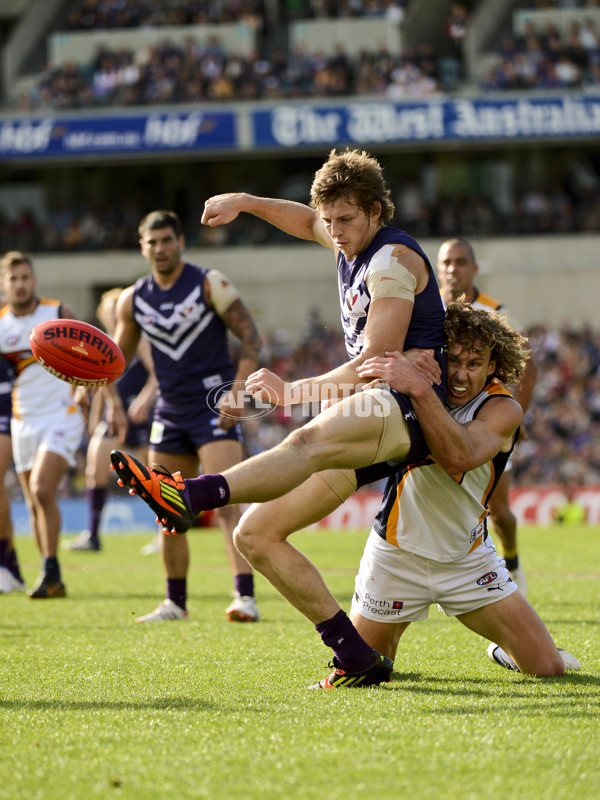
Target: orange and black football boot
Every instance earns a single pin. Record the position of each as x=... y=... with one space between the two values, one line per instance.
x=163 y=492
x=380 y=671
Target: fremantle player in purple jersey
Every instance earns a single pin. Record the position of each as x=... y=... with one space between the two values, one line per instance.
x=389 y=302
x=186 y=313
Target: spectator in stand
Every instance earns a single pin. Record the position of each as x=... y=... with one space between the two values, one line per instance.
x=170 y=73
x=456 y=29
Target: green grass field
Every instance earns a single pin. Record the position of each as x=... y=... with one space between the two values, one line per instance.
x=93 y=705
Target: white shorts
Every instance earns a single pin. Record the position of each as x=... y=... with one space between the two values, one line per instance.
x=394 y=585
x=60 y=434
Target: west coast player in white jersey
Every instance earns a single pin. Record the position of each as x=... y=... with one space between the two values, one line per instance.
x=429 y=543
x=46 y=425
x=456 y=270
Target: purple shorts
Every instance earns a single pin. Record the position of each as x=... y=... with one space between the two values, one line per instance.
x=187 y=429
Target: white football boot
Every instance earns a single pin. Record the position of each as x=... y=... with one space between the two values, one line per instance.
x=166 y=612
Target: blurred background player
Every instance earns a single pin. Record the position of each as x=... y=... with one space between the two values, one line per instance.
x=137 y=391
x=46 y=425
x=11 y=579
x=186 y=312
x=456 y=269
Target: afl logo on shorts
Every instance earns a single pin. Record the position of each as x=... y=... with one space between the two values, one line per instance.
x=487 y=578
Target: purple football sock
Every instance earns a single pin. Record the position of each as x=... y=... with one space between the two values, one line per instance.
x=352 y=653
x=52 y=569
x=12 y=564
x=244 y=584
x=3 y=552
x=95 y=499
x=177 y=591
x=206 y=492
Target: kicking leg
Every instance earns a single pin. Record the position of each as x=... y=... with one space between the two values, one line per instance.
x=361 y=430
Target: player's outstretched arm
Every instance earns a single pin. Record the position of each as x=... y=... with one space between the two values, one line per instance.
x=296 y=219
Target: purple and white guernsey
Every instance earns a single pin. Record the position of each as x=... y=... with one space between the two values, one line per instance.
x=426 y=324
x=188 y=338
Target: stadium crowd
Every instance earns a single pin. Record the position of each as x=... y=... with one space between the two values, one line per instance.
x=549 y=58
x=204 y=71
x=195 y=72
x=565 y=207
x=92 y=15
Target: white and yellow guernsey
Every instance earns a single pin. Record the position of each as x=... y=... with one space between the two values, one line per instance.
x=410 y=516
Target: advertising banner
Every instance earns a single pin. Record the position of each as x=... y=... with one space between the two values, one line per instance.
x=461 y=119
x=151 y=132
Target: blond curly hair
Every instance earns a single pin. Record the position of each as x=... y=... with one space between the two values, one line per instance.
x=479 y=330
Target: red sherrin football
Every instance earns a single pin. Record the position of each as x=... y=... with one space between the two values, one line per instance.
x=76 y=352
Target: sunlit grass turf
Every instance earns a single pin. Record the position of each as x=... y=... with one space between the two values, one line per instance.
x=93 y=705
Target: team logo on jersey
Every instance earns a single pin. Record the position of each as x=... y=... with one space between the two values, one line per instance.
x=477 y=532
x=487 y=578
x=354 y=303
x=187 y=310
x=398 y=604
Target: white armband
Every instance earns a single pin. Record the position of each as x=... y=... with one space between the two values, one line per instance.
x=222 y=292
x=386 y=277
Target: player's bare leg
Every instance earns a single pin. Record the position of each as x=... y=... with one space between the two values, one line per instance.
x=24 y=484
x=348 y=435
x=504 y=524
x=262 y=537
x=502 y=518
x=364 y=429
x=514 y=624
x=40 y=486
x=10 y=573
x=175 y=550
x=216 y=457
x=44 y=479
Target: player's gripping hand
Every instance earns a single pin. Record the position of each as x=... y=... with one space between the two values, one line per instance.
x=395 y=370
x=268 y=387
x=222 y=208
x=422 y=361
